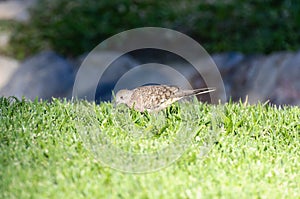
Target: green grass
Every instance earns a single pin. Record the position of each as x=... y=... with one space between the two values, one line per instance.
x=252 y=151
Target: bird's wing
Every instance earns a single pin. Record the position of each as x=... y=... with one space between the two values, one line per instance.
x=156 y=95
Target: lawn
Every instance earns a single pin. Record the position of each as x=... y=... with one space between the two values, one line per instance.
x=63 y=149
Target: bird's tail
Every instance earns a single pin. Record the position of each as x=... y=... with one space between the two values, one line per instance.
x=196 y=92
x=203 y=91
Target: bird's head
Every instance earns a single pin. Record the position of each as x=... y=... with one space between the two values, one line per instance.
x=123 y=96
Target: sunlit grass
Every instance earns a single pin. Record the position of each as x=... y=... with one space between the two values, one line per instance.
x=234 y=151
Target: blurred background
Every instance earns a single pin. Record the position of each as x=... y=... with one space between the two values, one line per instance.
x=255 y=44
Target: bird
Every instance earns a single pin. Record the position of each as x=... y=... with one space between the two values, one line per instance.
x=153 y=98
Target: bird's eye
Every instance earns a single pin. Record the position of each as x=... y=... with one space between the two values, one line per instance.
x=122 y=97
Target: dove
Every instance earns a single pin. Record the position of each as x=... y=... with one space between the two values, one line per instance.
x=153 y=98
